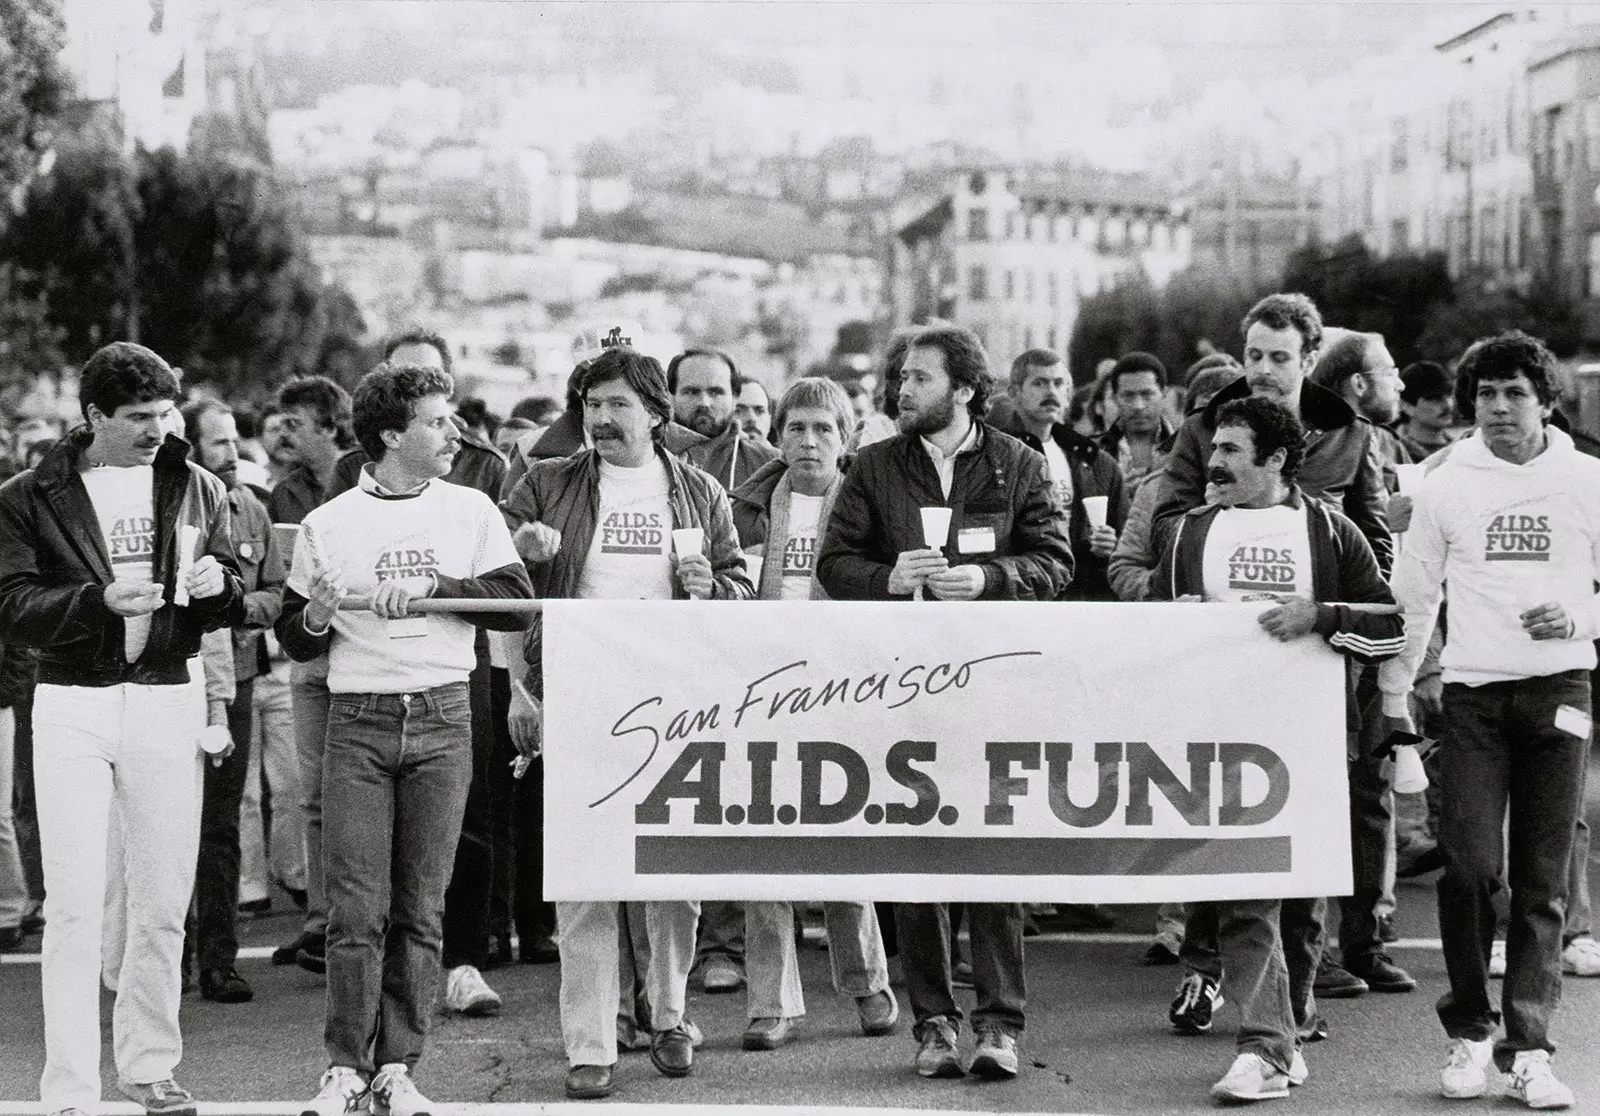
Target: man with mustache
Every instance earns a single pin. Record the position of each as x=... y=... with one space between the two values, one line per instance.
x=398 y=757
x=209 y=426
x=598 y=526
x=1007 y=541
x=486 y=840
x=1262 y=539
x=1040 y=391
x=705 y=384
x=90 y=571
x=1141 y=433
x=1282 y=338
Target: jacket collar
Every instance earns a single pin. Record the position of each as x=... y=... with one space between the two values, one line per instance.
x=60 y=466
x=1113 y=435
x=1320 y=409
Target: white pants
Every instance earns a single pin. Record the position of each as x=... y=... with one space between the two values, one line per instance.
x=586 y=933
x=772 y=964
x=131 y=751
x=275 y=760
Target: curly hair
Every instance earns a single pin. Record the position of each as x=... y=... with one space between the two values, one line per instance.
x=1288 y=311
x=964 y=361
x=386 y=399
x=1273 y=426
x=1503 y=357
x=121 y=373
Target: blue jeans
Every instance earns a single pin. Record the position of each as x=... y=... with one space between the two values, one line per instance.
x=395 y=776
x=1505 y=751
x=1265 y=953
x=923 y=930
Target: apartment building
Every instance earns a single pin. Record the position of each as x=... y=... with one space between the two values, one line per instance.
x=1011 y=253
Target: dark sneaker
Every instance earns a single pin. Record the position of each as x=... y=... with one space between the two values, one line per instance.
x=1388 y=931
x=589 y=1082
x=936 y=1056
x=312 y=954
x=1315 y=1030
x=1429 y=860
x=1197 y=1001
x=1337 y=983
x=160 y=1098
x=225 y=986
x=285 y=954
x=10 y=938
x=1380 y=973
x=672 y=1052
x=996 y=1056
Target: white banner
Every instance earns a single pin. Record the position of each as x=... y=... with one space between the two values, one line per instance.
x=917 y=752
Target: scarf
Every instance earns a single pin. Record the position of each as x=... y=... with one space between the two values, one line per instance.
x=771 y=587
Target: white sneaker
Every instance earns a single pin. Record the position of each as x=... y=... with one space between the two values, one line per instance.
x=1581 y=957
x=467 y=993
x=1251 y=1079
x=395 y=1094
x=1298 y=1071
x=1534 y=1084
x=1497 y=959
x=343 y=1090
x=1463 y=1076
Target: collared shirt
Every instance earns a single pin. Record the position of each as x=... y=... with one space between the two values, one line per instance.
x=296 y=495
x=368 y=482
x=946 y=466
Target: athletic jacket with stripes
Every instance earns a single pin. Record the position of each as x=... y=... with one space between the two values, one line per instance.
x=1344 y=574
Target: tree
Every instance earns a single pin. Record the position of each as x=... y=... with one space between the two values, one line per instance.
x=32 y=85
x=1482 y=309
x=1200 y=313
x=1123 y=317
x=197 y=258
x=1394 y=296
x=30 y=344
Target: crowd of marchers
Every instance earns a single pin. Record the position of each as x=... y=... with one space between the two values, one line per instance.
x=217 y=676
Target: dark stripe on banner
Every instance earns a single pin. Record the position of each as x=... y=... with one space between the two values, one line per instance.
x=960 y=856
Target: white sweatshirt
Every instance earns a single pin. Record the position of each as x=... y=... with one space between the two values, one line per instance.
x=1506 y=537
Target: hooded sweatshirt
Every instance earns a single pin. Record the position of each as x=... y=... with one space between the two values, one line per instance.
x=1506 y=537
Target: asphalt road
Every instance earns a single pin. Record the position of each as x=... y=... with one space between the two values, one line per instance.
x=1097 y=1041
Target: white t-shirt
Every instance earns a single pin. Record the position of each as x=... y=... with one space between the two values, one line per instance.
x=446 y=529
x=1253 y=552
x=800 y=551
x=629 y=557
x=1055 y=459
x=124 y=502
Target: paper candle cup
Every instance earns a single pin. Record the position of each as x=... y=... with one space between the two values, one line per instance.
x=935 y=527
x=214 y=739
x=1095 y=508
x=752 y=568
x=688 y=540
x=1410 y=477
x=285 y=535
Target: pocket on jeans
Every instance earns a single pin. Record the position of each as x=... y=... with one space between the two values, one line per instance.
x=342 y=710
x=456 y=711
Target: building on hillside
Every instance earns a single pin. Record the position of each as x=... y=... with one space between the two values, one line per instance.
x=1564 y=97
x=1011 y=255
